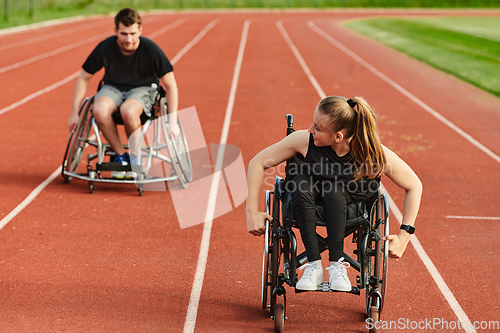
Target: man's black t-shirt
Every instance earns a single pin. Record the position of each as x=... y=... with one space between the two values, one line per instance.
x=142 y=68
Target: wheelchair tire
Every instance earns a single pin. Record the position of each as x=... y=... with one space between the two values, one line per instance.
x=377 y=262
x=78 y=140
x=385 y=254
x=279 y=318
x=178 y=149
x=275 y=263
x=374 y=316
x=265 y=267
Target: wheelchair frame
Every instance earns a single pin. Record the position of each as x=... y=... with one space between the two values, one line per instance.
x=178 y=150
x=280 y=260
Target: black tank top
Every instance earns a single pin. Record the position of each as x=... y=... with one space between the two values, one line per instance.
x=323 y=164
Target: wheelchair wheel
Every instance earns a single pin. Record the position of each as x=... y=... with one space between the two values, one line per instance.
x=78 y=140
x=275 y=263
x=374 y=316
x=178 y=150
x=385 y=254
x=265 y=266
x=91 y=187
x=377 y=258
x=279 y=318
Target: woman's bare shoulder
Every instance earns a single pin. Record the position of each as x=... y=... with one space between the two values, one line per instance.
x=299 y=140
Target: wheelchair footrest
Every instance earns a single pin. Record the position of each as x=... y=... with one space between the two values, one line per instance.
x=112 y=166
x=324 y=287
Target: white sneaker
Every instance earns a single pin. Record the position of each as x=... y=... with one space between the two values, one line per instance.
x=119 y=174
x=337 y=276
x=312 y=277
x=124 y=175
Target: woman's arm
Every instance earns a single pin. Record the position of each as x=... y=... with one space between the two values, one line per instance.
x=403 y=176
x=294 y=143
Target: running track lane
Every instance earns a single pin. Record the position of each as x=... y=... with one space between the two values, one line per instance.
x=449 y=153
x=421 y=301
x=228 y=317
x=130 y=292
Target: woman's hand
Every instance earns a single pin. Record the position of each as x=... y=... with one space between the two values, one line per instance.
x=397 y=244
x=256 y=222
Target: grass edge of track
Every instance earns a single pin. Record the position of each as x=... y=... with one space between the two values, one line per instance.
x=438 y=49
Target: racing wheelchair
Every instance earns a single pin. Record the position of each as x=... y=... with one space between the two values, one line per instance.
x=154 y=146
x=366 y=222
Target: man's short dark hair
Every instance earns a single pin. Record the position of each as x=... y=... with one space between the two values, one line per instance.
x=127 y=17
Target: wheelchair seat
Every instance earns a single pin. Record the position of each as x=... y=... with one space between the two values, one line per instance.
x=356 y=212
x=117 y=117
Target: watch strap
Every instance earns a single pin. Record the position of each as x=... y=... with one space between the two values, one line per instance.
x=408 y=228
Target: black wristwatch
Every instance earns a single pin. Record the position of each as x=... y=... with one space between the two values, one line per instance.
x=408 y=228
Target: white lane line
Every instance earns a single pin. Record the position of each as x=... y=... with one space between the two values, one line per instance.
x=52 y=35
x=39 y=92
x=438 y=279
x=67 y=32
x=466 y=323
x=194 y=300
x=402 y=90
x=166 y=28
x=78 y=44
x=40 y=187
x=52 y=53
x=195 y=40
x=300 y=59
x=42 y=24
x=472 y=217
x=29 y=198
x=75 y=75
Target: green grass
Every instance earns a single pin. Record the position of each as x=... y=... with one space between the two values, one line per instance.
x=21 y=12
x=466 y=47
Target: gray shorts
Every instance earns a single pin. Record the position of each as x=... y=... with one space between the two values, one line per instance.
x=145 y=95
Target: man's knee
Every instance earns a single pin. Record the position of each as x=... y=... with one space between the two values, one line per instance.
x=103 y=108
x=131 y=111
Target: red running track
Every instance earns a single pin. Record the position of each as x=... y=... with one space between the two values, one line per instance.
x=113 y=261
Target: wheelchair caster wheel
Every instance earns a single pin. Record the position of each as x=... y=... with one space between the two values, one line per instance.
x=91 y=187
x=374 y=317
x=279 y=318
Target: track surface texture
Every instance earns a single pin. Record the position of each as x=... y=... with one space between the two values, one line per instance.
x=112 y=261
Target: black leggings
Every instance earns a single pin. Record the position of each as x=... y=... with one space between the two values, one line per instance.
x=306 y=192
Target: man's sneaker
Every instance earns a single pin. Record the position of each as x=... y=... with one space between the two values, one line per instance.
x=124 y=160
x=312 y=277
x=337 y=276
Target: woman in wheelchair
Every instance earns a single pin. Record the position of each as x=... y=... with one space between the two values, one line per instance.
x=343 y=162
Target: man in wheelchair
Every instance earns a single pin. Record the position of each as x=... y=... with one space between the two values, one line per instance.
x=134 y=65
x=344 y=161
